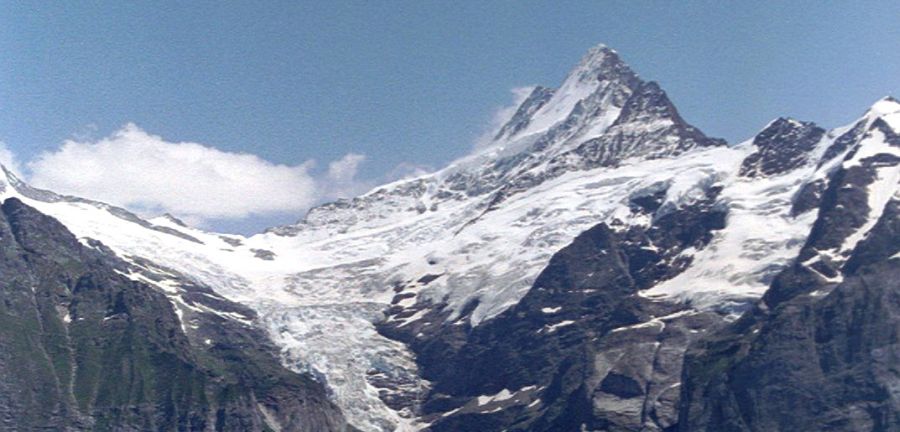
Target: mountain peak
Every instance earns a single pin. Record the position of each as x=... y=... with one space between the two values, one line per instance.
x=781 y=126
x=596 y=54
x=782 y=146
x=600 y=63
x=886 y=109
x=885 y=106
x=600 y=81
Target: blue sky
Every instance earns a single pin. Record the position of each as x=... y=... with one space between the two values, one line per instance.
x=404 y=83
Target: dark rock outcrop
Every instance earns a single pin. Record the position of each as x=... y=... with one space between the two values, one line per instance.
x=84 y=348
x=820 y=350
x=522 y=117
x=781 y=147
x=581 y=348
x=823 y=359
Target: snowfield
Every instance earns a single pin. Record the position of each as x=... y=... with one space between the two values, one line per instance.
x=320 y=285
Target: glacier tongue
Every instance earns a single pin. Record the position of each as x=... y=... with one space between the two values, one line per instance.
x=451 y=237
x=472 y=238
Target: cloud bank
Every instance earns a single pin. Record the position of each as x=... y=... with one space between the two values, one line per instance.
x=150 y=175
x=146 y=173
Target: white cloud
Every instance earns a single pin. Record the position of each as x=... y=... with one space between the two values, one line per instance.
x=502 y=115
x=9 y=160
x=406 y=170
x=340 y=181
x=345 y=168
x=199 y=184
x=146 y=173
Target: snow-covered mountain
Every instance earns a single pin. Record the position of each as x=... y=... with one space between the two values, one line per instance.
x=409 y=301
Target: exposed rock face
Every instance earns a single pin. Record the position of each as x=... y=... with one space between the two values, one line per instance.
x=601 y=115
x=538 y=97
x=648 y=126
x=783 y=146
x=553 y=280
x=84 y=348
x=820 y=350
x=822 y=359
x=582 y=347
x=592 y=347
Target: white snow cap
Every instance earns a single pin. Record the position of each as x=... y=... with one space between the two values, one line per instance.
x=593 y=59
x=885 y=105
x=888 y=109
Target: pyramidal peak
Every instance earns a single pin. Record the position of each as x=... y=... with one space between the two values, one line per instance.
x=602 y=115
x=888 y=110
x=782 y=125
x=595 y=89
x=786 y=122
x=596 y=221
x=885 y=105
x=599 y=63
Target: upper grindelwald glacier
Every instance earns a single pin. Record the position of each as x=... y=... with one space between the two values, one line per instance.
x=599 y=265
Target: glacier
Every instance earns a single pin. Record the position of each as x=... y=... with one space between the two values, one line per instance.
x=482 y=229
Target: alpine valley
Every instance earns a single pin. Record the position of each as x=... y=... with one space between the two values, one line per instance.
x=599 y=265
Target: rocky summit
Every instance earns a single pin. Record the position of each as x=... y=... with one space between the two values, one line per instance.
x=600 y=265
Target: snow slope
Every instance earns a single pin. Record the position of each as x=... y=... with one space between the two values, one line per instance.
x=482 y=229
